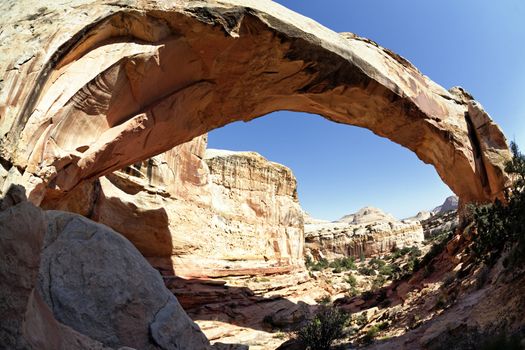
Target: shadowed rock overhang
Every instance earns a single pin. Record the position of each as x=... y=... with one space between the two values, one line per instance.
x=93 y=86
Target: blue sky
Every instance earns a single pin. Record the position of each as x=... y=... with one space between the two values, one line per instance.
x=477 y=44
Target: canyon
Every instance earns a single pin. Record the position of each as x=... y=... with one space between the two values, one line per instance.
x=120 y=229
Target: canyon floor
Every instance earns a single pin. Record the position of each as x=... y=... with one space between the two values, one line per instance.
x=264 y=311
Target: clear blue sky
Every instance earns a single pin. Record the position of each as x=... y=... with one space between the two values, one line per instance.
x=477 y=44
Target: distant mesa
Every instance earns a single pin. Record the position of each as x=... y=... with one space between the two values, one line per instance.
x=451 y=203
x=368 y=215
x=420 y=216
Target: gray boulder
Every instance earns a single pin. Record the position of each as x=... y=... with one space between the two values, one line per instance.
x=96 y=282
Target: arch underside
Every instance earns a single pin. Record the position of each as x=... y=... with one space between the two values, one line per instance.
x=118 y=83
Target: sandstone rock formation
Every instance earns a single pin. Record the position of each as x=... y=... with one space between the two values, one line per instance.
x=97 y=283
x=22 y=231
x=439 y=224
x=367 y=215
x=368 y=232
x=136 y=79
x=450 y=203
x=441 y=220
x=94 y=290
x=202 y=213
x=92 y=86
x=256 y=201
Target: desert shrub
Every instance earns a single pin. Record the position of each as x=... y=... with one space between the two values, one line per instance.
x=337 y=270
x=378 y=282
x=397 y=252
x=387 y=270
x=343 y=264
x=352 y=292
x=414 y=252
x=449 y=279
x=500 y=225
x=482 y=276
x=436 y=249
x=441 y=302
x=412 y=264
x=382 y=325
x=327 y=326
x=362 y=319
x=371 y=333
x=324 y=300
x=376 y=263
x=367 y=271
x=351 y=280
x=316 y=266
x=308 y=261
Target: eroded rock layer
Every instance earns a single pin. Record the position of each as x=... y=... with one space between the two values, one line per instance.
x=202 y=213
x=369 y=232
x=92 y=86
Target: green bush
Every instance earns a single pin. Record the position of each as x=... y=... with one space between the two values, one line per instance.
x=327 y=326
x=351 y=280
x=378 y=282
x=376 y=263
x=344 y=264
x=337 y=270
x=367 y=271
x=387 y=270
x=371 y=333
x=316 y=266
x=362 y=319
x=324 y=300
x=412 y=251
x=436 y=249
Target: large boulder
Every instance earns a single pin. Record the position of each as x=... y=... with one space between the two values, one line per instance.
x=27 y=322
x=97 y=282
x=22 y=230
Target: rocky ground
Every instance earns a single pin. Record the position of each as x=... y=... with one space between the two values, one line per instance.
x=264 y=311
x=444 y=301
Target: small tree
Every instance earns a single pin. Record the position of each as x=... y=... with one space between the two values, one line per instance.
x=500 y=225
x=327 y=326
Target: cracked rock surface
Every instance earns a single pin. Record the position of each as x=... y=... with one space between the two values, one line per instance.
x=97 y=282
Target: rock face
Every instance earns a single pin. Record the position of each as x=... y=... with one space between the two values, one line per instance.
x=92 y=86
x=69 y=284
x=450 y=204
x=22 y=231
x=97 y=283
x=255 y=202
x=368 y=232
x=202 y=213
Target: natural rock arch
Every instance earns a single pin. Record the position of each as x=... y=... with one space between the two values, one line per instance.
x=91 y=88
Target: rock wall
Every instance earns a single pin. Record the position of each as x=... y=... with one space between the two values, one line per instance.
x=368 y=232
x=198 y=213
x=255 y=202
